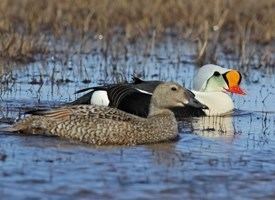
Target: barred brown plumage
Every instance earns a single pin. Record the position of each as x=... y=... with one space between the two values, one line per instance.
x=101 y=125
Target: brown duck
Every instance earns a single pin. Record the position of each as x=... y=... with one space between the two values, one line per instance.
x=102 y=125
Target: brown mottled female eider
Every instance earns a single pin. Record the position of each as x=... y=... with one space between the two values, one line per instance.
x=102 y=125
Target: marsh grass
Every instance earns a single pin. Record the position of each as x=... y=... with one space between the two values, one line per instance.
x=27 y=25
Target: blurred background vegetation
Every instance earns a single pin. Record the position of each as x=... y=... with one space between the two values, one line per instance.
x=31 y=27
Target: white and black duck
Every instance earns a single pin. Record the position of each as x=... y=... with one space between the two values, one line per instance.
x=211 y=87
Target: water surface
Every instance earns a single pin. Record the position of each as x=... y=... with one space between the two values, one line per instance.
x=222 y=157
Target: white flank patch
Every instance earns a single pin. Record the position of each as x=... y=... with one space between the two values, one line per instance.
x=219 y=103
x=143 y=91
x=100 y=97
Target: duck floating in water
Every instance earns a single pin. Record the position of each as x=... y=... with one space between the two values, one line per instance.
x=101 y=125
x=211 y=87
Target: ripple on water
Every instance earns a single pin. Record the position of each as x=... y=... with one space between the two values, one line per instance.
x=221 y=157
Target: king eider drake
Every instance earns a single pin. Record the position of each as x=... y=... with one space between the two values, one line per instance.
x=135 y=101
x=101 y=125
x=211 y=87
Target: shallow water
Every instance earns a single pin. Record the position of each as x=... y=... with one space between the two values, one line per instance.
x=222 y=157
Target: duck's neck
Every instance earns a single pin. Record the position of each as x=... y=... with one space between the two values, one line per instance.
x=153 y=111
x=163 y=123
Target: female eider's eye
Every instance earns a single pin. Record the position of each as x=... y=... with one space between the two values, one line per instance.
x=173 y=88
x=216 y=73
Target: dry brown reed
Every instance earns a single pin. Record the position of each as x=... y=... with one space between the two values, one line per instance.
x=26 y=25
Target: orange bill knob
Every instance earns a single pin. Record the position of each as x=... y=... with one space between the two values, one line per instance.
x=233 y=79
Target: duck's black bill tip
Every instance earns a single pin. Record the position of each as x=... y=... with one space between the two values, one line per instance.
x=195 y=103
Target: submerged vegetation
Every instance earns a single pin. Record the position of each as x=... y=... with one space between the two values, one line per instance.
x=29 y=27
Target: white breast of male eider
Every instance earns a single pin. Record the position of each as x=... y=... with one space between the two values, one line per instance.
x=100 y=97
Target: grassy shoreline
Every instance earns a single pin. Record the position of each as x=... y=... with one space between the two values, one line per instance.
x=27 y=25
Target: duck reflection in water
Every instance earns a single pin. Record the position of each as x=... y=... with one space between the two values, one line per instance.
x=214 y=126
